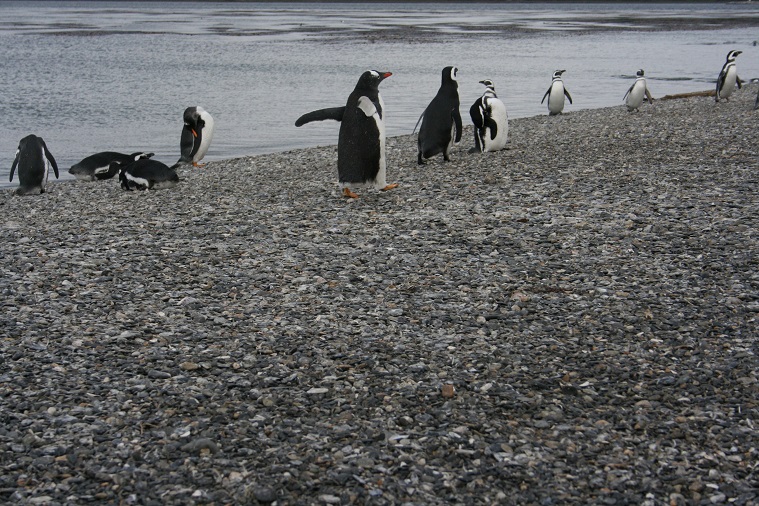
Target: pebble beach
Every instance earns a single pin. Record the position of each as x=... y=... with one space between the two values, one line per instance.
x=572 y=320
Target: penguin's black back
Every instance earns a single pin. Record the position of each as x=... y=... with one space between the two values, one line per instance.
x=440 y=117
x=31 y=164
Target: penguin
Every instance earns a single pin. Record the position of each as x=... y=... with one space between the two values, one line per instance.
x=197 y=134
x=639 y=90
x=556 y=93
x=100 y=165
x=441 y=120
x=491 y=122
x=33 y=161
x=728 y=77
x=361 y=157
x=756 y=103
x=146 y=174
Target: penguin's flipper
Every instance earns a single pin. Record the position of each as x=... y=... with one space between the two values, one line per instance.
x=334 y=113
x=418 y=121
x=568 y=95
x=493 y=126
x=649 y=97
x=457 y=121
x=628 y=92
x=367 y=106
x=547 y=93
x=476 y=113
x=15 y=163
x=186 y=144
x=720 y=84
x=50 y=158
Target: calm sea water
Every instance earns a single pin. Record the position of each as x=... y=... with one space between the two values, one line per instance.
x=96 y=76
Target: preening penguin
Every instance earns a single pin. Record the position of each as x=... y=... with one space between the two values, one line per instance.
x=101 y=165
x=637 y=92
x=441 y=120
x=491 y=121
x=33 y=161
x=197 y=134
x=361 y=144
x=728 y=77
x=556 y=93
x=146 y=174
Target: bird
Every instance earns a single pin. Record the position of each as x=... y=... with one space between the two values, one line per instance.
x=33 y=161
x=728 y=77
x=556 y=93
x=756 y=103
x=441 y=121
x=100 y=165
x=637 y=92
x=361 y=159
x=491 y=121
x=146 y=174
x=197 y=134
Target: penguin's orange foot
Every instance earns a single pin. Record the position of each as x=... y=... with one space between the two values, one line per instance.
x=198 y=165
x=348 y=193
x=389 y=187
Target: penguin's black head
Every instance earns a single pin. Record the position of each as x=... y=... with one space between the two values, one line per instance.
x=640 y=73
x=138 y=155
x=558 y=73
x=372 y=78
x=732 y=55
x=449 y=74
x=488 y=84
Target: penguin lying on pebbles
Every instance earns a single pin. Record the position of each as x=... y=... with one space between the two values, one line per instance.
x=556 y=93
x=197 y=134
x=441 y=120
x=637 y=92
x=361 y=157
x=33 y=161
x=100 y=165
x=728 y=77
x=491 y=122
x=146 y=174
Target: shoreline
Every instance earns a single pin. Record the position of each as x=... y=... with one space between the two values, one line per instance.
x=572 y=320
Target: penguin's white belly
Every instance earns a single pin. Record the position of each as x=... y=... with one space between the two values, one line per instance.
x=730 y=80
x=636 y=95
x=556 y=99
x=500 y=116
x=205 y=141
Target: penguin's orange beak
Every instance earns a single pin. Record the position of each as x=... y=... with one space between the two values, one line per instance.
x=194 y=133
x=386 y=75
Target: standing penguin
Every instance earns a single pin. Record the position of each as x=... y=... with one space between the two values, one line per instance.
x=441 y=120
x=100 y=165
x=491 y=122
x=556 y=93
x=146 y=174
x=361 y=144
x=639 y=90
x=33 y=161
x=197 y=134
x=756 y=103
x=728 y=77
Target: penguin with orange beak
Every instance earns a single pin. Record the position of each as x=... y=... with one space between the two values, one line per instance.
x=197 y=133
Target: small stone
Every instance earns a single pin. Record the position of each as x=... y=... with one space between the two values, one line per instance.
x=318 y=391
x=448 y=391
x=189 y=366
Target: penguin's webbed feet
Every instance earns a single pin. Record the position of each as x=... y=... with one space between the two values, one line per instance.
x=198 y=165
x=389 y=187
x=348 y=193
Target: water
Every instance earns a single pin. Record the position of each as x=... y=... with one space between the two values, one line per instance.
x=97 y=76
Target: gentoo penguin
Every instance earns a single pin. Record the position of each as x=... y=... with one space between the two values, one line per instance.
x=728 y=77
x=491 y=122
x=197 y=134
x=146 y=174
x=441 y=120
x=33 y=161
x=556 y=93
x=100 y=165
x=637 y=92
x=361 y=144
